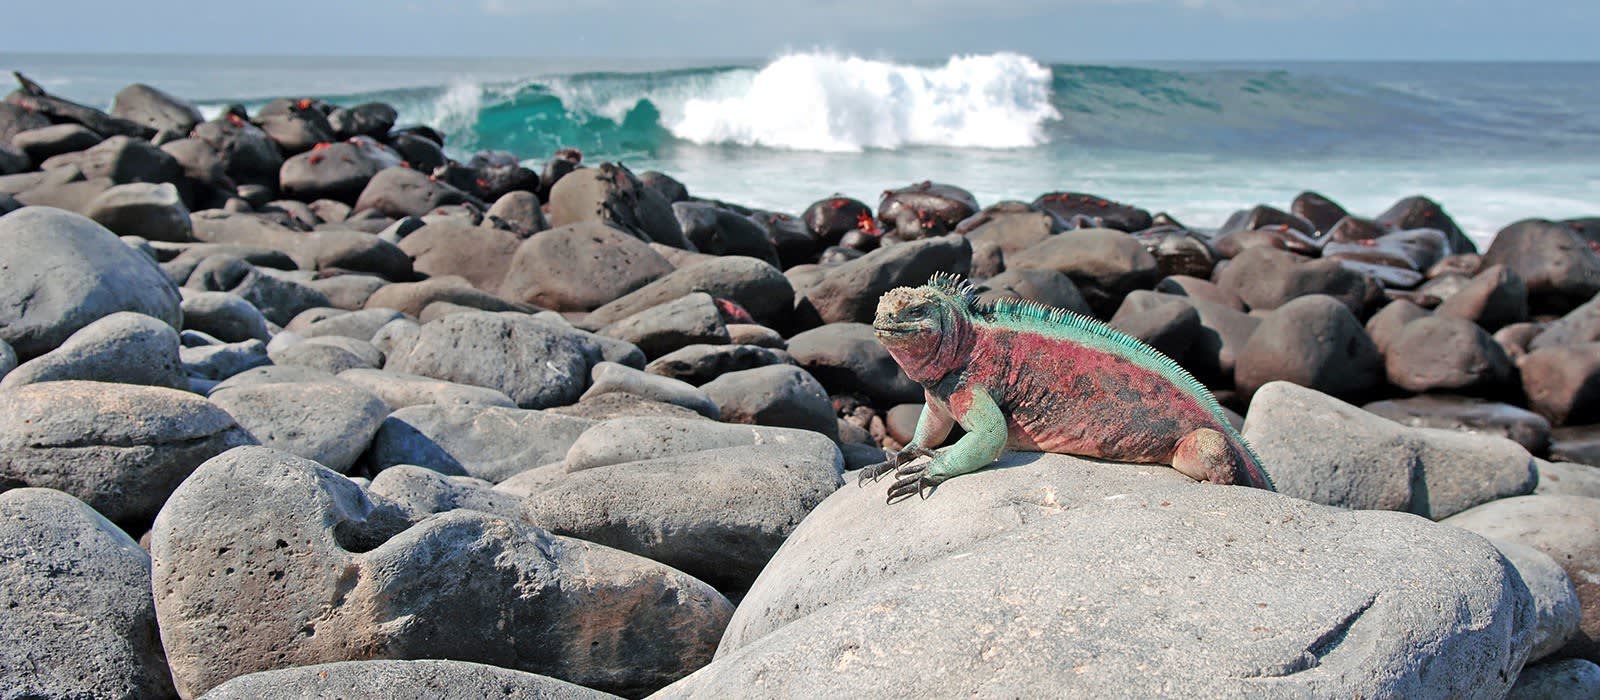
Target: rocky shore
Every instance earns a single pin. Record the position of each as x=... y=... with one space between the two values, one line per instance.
x=295 y=404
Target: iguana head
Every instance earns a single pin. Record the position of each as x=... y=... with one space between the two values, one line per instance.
x=924 y=329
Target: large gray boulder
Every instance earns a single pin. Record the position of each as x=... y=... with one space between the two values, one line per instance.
x=784 y=396
x=485 y=442
x=264 y=561
x=645 y=438
x=60 y=272
x=400 y=390
x=225 y=316
x=1324 y=450
x=124 y=347
x=1052 y=576
x=537 y=364
x=613 y=378
x=754 y=284
x=848 y=359
x=422 y=679
x=1567 y=529
x=850 y=291
x=79 y=620
x=716 y=514
x=329 y=421
x=118 y=447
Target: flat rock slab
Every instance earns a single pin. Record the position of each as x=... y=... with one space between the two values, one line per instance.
x=1324 y=450
x=536 y=363
x=263 y=561
x=423 y=679
x=79 y=620
x=329 y=421
x=400 y=390
x=486 y=442
x=1053 y=576
x=118 y=447
x=716 y=514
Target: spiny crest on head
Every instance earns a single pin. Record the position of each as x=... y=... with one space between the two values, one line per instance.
x=955 y=286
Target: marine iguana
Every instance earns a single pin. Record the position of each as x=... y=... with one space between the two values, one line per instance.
x=1018 y=374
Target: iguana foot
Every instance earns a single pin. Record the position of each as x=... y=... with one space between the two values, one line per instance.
x=911 y=480
x=873 y=472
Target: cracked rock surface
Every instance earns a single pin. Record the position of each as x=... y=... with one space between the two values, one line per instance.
x=1049 y=575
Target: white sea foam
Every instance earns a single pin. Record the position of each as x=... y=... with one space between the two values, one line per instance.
x=821 y=101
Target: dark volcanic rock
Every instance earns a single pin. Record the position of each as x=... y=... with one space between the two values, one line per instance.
x=1105 y=264
x=1421 y=212
x=1470 y=415
x=444 y=248
x=1560 y=268
x=1386 y=325
x=580 y=267
x=295 y=125
x=755 y=285
x=1047 y=287
x=848 y=359
x=60 y=272
x=1449 y=354
x=1313 y=341
x=142 y=104
x=1097 y=210
x=1581 y=325
x=698 y=364
x=1179 y=252
x=717 y=231
x=1267 y=279
x=1169 y=325
x=373 y=119
x=850 y=291
x=45 y=142
x=830 y=219
x=923 y=210
x=1563 y=383
x=611 y=193
x=1322 y=212
x=1495 y=297
x=118 y=447
x=247 y=154
x=337 y=171
x=151 y=211
x=400 y=191
x=80 y=621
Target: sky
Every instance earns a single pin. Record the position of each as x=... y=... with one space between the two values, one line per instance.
x=1051 y=30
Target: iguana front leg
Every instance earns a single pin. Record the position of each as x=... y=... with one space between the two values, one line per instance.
x=986 y=434
x=933 y=426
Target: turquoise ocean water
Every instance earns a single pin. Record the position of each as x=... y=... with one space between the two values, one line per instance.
x=1492 y=142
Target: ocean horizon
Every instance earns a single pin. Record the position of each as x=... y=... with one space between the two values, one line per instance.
x=1493 y=142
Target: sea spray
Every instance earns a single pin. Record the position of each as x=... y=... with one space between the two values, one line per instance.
x=827 y=102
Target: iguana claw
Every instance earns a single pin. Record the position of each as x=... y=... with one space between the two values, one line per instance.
x=873 y=472
x=910 y=481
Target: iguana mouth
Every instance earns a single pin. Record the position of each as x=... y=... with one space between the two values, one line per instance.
x=897 y=329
